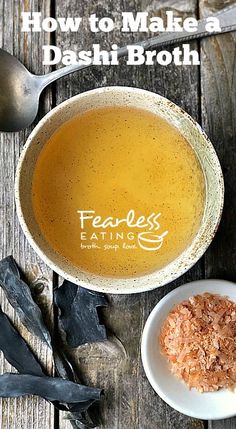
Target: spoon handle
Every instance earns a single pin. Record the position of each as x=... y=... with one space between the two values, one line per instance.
x=227 y=19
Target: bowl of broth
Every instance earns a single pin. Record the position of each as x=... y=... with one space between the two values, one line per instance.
x=119 y=190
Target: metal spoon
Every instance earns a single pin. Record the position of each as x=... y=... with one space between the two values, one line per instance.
x=20 y=90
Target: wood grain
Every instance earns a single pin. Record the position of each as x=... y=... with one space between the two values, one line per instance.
x=29 y=412
x=129 y=400
x=218 y=82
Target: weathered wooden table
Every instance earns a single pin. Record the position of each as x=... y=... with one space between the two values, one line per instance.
x=208 y=93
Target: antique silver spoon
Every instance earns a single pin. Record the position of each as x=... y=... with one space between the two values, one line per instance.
x=20 y=90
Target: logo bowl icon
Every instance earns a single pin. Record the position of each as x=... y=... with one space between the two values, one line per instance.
x=151 y=241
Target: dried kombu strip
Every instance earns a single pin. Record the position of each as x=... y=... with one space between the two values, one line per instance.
x=19 y=355
x=78 y=314
x=52 y=389
x=16 y=350
x=80 y=417
x=19 y=295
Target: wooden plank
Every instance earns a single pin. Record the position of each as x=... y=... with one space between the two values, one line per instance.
x=222 y=424
x=218 y=82
x=116 y=366
x=24 y=412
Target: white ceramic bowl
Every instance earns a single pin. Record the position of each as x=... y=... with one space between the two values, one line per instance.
x=120 y=96
x=209 y=406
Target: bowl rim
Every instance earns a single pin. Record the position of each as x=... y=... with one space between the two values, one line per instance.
x=145 y=338
x=109 y=284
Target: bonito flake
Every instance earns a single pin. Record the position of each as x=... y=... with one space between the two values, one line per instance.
x=198 y=338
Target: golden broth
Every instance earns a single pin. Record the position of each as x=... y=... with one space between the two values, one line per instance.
x=118 y=192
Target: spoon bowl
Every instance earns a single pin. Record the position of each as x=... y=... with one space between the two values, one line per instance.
x=19 y=94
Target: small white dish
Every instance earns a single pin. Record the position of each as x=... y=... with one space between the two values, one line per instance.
x=207 y=406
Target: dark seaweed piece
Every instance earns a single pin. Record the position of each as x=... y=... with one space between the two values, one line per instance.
x=16 y=350
x=78 y=314
x=19 y=355
x=23 y=359
x=52 y=389
x=19 y=295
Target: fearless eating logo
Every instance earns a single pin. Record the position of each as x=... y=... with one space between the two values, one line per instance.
x=150 y=238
